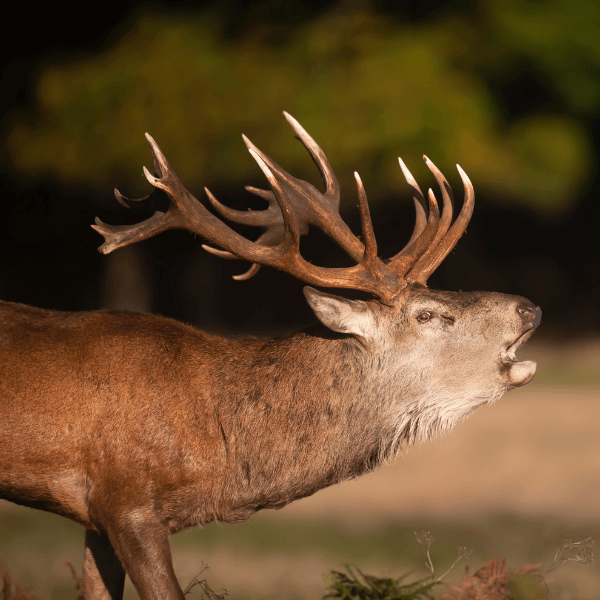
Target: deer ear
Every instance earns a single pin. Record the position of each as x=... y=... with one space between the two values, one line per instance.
x=340 y=314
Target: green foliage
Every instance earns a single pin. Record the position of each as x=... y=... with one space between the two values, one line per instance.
x=560 y=37
x=355 y=585
x=368 y=88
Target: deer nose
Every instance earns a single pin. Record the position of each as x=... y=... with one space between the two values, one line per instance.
x=532 y=315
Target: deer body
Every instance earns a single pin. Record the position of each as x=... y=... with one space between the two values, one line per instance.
x=138 y=426
x=158 y=412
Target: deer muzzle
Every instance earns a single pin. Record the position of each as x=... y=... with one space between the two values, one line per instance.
x=520 y=372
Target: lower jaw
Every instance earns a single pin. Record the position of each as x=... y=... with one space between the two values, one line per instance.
x=518 y=372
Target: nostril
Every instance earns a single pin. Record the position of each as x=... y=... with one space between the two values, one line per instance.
x=531 y=314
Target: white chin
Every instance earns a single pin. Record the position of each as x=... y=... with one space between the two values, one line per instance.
x=521 y=372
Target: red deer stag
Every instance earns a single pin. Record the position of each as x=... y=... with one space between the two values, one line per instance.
x=138 y=426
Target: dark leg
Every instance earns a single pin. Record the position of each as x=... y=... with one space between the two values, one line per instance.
x=103 y=575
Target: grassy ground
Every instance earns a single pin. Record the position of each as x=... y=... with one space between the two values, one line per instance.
x=281 y=558
x=513 y=480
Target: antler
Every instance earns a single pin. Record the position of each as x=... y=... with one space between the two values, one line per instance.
x=293 y=206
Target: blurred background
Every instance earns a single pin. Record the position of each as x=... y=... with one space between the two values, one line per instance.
x=508 y=89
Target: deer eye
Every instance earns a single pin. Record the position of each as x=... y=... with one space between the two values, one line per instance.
x=424 y=317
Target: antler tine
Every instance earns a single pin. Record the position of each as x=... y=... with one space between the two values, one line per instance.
x=265 y=194
x=269 y=218
x=446 y=217
x=268 y=238
x=423 y=268
x=256 y=218
x=403 y=262
x=117 y=236
x=332 y=186
x=448 y=201
x=370 y=242
x=271 y=238
x=291 y=239
x=420 y=204
x=251 y=272
x=161 y=165
x=122 y=200
x=273 y=166
x=272 y=221
x=218 y=252
x=311 y=206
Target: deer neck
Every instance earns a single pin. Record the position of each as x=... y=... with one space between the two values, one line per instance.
x=309 y=416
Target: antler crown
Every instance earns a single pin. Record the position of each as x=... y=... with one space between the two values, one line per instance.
x=293 y=206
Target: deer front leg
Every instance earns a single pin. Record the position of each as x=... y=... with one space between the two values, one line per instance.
x=141 y=543
x=103 y=575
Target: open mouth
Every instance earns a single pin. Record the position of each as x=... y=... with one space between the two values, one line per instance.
x=508 y=356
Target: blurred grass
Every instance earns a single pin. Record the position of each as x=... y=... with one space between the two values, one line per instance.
x=36 y=547
x=568 y=362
